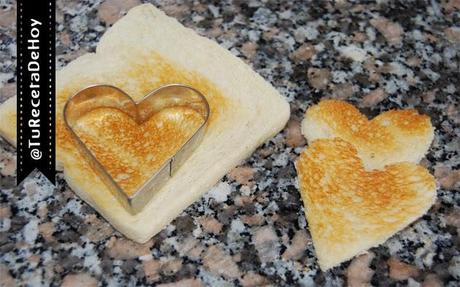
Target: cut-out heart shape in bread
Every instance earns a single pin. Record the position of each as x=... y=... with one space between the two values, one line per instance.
x=393 y=136
x=349 y=209
x=135 y=146
x=132 y=152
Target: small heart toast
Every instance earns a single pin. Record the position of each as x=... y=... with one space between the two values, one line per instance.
x=349 y=209
x=393 y=136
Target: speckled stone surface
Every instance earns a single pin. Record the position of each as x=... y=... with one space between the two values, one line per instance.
x=249 y=230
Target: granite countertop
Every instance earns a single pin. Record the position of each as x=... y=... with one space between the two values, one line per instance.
x=250 y=229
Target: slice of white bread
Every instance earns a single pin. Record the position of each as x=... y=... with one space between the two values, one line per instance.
x=142 y=51
x=8 y=120
x=349 y=209
x=393 y=136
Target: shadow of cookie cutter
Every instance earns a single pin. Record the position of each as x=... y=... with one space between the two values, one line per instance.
x=107 y=96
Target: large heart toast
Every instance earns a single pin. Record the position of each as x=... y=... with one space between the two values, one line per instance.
x=393 y=136
x=350 y=209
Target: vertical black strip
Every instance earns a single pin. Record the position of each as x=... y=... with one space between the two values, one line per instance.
x=36 y=88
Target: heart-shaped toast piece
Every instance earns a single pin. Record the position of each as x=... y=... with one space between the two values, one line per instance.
x=393 y=136
x=349 y=209
x=135 y=147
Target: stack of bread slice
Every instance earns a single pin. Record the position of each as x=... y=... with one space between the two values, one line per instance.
x=359 y=179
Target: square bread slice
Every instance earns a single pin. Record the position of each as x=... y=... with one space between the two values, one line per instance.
x=142 y=51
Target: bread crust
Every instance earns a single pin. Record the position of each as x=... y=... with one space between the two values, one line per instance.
x=142 y=51
x=350 y=209
x=8 y=120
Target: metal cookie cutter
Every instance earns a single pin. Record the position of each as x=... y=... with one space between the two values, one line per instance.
x=107 y=96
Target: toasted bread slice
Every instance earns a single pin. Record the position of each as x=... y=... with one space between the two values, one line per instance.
x=142 y=51
x=393 y=136
x=8 y=120
x=349 y=209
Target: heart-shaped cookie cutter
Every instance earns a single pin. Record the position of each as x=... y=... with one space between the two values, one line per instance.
x=107 y=96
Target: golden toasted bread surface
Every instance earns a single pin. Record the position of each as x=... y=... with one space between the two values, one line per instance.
x=350 y=209
x=144 y=50
x=393 y=136
x=132 y=152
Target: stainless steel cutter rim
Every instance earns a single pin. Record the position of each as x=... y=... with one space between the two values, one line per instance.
x=168 y=162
